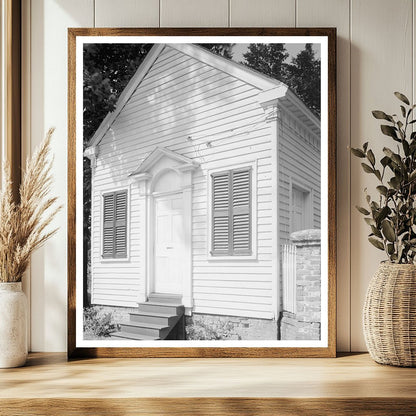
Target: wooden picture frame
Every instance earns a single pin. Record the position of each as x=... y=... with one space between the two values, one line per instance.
x=142 y=173
x=10 y=39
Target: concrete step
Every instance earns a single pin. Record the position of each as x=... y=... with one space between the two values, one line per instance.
x=153 y=318
x=143 y=328
x=165 y=298
x=129 y=335
x=162 y=307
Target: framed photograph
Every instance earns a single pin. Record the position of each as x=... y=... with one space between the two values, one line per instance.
x=201 y=193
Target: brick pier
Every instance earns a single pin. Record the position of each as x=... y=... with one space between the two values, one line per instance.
x=305 y=324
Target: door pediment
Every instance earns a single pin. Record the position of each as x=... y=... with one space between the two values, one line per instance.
x=161 y=159
x=165 y=175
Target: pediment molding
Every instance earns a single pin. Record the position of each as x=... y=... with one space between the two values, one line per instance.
x=180 y=163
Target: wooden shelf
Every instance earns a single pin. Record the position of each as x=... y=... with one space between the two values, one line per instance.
x=349 y=384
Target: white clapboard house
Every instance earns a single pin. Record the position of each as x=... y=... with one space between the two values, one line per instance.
x=198 y=178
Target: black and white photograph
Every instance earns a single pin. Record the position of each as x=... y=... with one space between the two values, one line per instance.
x=203 y=201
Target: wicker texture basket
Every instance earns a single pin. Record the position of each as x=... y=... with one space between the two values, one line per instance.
x=390 y=315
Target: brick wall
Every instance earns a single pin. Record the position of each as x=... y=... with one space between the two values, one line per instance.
x=305 y=324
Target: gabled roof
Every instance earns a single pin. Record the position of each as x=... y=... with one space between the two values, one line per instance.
x=252 y=77
x=157 y=154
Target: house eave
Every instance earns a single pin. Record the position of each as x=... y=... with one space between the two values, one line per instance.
x=244 y=73
x=283 y=96
x=91 y=152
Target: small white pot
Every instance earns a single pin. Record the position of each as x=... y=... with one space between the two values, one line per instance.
x=13 y=325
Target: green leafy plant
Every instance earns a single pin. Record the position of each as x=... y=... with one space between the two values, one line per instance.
x=391 y=216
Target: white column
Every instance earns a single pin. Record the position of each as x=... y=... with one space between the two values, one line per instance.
x=187 y=297
x=148 y=218
x=273 y=119
x=145 y=201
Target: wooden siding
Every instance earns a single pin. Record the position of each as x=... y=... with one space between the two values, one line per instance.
x=299 y=164
x=182 y=105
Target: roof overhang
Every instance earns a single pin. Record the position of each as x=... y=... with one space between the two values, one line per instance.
x=283 y=97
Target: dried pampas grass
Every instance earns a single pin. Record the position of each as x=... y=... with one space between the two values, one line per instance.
x=24 y=225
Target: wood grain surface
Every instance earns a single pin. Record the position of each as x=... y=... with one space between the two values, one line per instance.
x=347 y=385
x=329 y=351
x=209 y=407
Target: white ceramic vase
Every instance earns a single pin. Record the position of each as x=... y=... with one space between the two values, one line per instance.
x=13 y=325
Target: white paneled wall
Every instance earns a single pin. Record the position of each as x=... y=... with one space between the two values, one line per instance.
x=376 y=56
x=126 y=13
x=262 y=13
x=194 y=13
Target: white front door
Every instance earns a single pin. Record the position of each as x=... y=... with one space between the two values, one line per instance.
x=168 y=244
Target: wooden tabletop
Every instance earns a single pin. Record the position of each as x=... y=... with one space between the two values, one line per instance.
x=184 y=386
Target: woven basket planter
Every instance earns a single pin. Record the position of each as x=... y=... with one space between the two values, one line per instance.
x=390 y=315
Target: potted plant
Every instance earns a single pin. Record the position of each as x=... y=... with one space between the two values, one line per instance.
x=23 y=228
x=389 y=316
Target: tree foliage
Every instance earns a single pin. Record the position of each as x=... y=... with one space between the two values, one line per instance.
x=268 y=58
x=304 y=77
x=302 y=74
x=392 y=215
x=108 y=67
x=222 y=49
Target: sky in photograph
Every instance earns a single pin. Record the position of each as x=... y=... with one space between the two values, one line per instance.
x=293 y=48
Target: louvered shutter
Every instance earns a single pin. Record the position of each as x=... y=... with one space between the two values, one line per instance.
x=221 y=214
x=231 y=218
x=108 y=226
x=115 y=225
x=120 y=249
x=241 y=216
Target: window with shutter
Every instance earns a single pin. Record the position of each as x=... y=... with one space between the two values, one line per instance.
x=115 y=225
x=231 y=213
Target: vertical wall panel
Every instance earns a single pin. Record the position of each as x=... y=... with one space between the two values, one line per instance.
x=127 y=13
x=336 y=14
x=262 y=13
x=193 y=13
x=49 y=22
x=381 y=63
